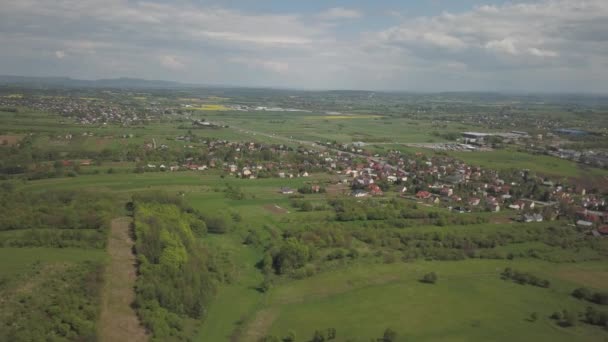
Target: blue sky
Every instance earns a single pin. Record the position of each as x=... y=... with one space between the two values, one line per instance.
x=424 y=45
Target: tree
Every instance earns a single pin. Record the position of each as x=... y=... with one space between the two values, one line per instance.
x=331 y=333
x=292 y=255
x=306 y=206
x=389 y=335
x=318 y=336
x=600 y=298
x=582 y=293
x=430 y=278
x=290 y=337
x=569 y=319
x=533 y=317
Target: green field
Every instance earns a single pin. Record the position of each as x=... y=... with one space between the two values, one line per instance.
x=469 y=302
x=509 y=159
x=271 y=266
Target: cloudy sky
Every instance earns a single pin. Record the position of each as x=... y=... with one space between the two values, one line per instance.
x=417 y=45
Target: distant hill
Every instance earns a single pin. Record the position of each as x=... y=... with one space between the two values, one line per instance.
x=67 y=82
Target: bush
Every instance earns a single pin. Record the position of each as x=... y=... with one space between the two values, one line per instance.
x=429 y=278
x=389 y=335
x=582 y=293
x=524 y=278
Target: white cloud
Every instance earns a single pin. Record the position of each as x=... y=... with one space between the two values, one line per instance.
x=340 y=13
x=171 y=62
x=557 y=40
x=520 y=35
x=506 y=45
x=542 y=53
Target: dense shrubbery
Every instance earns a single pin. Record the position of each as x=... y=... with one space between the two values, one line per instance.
x=177 y=274
x=53 y=209
x=64 y=307
x=600 y=297
x=595 y=317
x=399 y=213
x=524 y=278
x=54 y=219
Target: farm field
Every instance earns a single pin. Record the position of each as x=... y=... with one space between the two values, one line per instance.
x=509 y=159
x=196 y=221
x=384 y=296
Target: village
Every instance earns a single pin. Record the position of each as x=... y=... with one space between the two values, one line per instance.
x=433 y=180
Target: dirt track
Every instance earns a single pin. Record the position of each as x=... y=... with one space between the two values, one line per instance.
x=118 y=321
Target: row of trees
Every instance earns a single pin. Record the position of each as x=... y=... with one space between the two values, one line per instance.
x=178 y=275
x=524 y=278
x=598 y=297
x=329 y=334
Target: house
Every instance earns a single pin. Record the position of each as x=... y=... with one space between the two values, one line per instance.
x=315 y=188
x=423 y=194
x=286 y=191
x=532 y=218
x=360 y=193
x=474 y=201
x=375 y=190
x=446 y=192
x=494 y=207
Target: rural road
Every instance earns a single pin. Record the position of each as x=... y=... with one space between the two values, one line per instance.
x=118 y=320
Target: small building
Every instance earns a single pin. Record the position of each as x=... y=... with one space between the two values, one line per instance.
x=423 y=194
x=474 y=201
x=532 y=218
x=584 y=224
x=286 y=191
x=360 y=193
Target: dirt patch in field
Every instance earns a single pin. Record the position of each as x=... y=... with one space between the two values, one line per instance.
x=592 y=278
x=337 y=190
x=260 y=324
x=118 y=320
x=275 y=209
x=501 y=220
x=102 y=142
x=10 y=140
x=589 y=182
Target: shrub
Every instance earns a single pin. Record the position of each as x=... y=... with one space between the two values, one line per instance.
x=429 y=278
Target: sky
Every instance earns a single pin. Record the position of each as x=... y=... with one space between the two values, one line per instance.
x=411 y=45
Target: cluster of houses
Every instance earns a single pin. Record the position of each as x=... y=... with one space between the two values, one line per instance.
x=89 y=111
